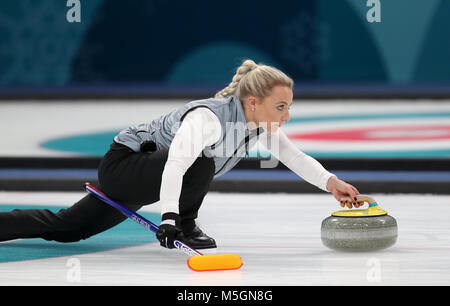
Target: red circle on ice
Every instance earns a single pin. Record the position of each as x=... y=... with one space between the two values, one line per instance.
x=384 y=133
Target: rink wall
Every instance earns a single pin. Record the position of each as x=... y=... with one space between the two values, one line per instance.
x=368 y=175
x=156 y=49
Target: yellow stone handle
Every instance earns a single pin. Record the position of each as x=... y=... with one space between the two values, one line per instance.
x=373 y=210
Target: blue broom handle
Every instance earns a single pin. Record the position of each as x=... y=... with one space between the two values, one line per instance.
x=138 y=218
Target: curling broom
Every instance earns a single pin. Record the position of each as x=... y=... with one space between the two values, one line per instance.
x=197 y=261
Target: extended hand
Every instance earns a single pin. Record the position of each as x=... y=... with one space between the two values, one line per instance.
x=341 y=189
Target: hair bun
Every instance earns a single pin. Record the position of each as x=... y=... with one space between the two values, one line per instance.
x=249 y=64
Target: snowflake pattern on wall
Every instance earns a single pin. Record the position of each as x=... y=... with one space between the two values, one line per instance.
x=37 y=43
x=305 y=41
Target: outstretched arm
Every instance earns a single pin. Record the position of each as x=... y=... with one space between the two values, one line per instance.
x=307 y=167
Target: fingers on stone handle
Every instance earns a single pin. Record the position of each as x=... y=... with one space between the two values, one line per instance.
x=346 y=199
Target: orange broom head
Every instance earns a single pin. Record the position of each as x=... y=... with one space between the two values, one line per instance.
x=215 y=262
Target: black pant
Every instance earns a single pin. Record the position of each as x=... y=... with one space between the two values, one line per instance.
x=133 y=179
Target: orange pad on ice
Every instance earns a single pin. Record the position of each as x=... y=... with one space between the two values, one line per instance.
x=215 y=262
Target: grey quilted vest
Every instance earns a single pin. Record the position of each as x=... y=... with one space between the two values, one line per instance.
x=233 y=145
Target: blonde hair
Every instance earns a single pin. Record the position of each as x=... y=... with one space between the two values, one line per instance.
x=253 y=79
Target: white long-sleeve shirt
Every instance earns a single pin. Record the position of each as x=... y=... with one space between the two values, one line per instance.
x=201 y=128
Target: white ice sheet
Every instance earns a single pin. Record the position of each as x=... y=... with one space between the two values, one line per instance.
x=278 y=238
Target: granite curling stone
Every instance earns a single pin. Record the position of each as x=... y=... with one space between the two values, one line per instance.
x=359 y=230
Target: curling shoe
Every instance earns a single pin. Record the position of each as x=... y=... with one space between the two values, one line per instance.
x=198 y=240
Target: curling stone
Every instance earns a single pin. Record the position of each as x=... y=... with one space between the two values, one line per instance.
x=359 y=230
